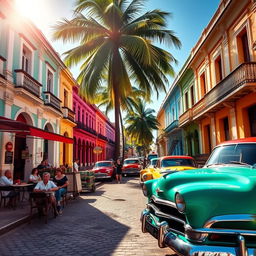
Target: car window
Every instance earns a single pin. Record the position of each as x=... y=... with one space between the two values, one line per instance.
x=177 y=162
x=103 y=164
x=230 y=154
x=131 y=161
x=153 y=162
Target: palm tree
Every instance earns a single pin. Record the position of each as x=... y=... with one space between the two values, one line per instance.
x=141 y=124
x=116 y=44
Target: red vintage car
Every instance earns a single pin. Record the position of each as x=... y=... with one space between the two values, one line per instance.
x=104 y=170
x=132 y=166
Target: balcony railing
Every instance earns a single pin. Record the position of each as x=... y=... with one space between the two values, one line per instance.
x=27 y=82
x=2 y=61
x=102 y=137
x=82 y=126
x=243 y=74
x=172 y=126
x=185 y=117
x=198 y=107
x=52 y=100
x=68 y=114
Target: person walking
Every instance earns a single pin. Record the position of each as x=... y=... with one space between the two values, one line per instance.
x=118 y=171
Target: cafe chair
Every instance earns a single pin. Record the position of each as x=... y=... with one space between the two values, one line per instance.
x=64 y=199
x=11 y=195
x=40 y=201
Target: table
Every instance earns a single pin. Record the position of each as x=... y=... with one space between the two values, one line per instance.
x=22 y=187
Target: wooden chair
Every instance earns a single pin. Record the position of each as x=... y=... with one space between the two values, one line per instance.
x=41 y=202
x=8 y=196
x=64 y=199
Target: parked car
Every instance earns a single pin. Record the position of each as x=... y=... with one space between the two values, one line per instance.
x=148 y=169
x=131 y=166
x=151 y=156
x=104 y=170
x=169 y=164
x=208 y=211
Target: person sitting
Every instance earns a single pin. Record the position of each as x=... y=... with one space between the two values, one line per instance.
x=47 y=185
x=61 y=181
x=34 y=176
x=42 y=165
x=6 y=180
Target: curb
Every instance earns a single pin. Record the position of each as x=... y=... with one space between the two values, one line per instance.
x=14 y=224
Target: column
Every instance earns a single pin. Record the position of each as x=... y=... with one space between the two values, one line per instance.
x=10 y=47
x=208 y=84
x=200 y=135
x=232 y=114
x=225 y=53
x=213 y=130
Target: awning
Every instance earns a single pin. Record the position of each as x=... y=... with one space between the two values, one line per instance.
x=12 y=126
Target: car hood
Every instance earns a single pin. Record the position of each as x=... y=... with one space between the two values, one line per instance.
x=211 y=191
x=176 y=168
x=131 y=166
x=102 y=169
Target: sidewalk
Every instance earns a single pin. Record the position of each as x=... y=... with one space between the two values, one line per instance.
x=10 y=218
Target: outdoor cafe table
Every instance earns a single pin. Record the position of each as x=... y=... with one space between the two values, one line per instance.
x=22 y=188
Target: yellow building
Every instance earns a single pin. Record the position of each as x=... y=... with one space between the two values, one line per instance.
x=67 y=124
x=161 y=139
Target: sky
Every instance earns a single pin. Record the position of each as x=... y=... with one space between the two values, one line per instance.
x=189 y=18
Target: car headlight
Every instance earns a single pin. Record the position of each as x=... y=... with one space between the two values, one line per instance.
x=180 y=203
x=144 y=190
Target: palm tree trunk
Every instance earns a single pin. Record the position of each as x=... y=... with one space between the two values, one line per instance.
x=122 y=129
x=116 y=92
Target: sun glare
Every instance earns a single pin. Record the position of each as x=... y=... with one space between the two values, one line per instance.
x=35 y=10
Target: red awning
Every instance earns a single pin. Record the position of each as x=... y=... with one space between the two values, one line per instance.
x=12 y=126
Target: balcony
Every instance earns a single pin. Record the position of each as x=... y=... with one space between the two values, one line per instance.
x=68 y=114
x=2 y=61
x=239 y=82
x=172 y=126
x=52 y=100
x=185 y=118
x=27 y=82
x=100 y=136
x=84 y=127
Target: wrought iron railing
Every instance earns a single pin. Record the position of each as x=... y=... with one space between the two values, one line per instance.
x=52 y=100
x=68 y=114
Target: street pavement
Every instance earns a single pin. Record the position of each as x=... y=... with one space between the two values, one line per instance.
x=103 y=223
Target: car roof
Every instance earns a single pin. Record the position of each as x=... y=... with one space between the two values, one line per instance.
x=107 y=161
x=244 y=140
x=174 y=157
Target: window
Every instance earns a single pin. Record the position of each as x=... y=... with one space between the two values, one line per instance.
x=203 y=84
x=78 y=118
x=65 y=98
x=26 y=59
x=252 y=120
x=49 y=81
x=173 y=114
x=226 y=128
x=186 y=101
x=192 y=95
x=243 y=47
x=83 y=116
x=86 y=120
x=218 y=69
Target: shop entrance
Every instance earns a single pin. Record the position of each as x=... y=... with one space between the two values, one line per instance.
x=252 y=119
x=49 y=146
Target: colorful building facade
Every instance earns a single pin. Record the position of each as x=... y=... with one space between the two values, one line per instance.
x=93 y=129
x=218 y=100
x=29 y=94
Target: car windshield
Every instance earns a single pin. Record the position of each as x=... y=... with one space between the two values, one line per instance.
x=131 y=161
x=242 y=154
x=153 y=162
x=103 y=164
x=152 y=156
x=177 y=162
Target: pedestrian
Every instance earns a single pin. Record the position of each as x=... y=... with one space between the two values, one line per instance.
x=118 y=171
x=76 y=166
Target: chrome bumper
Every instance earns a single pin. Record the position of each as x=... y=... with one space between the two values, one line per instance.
x=168 y=238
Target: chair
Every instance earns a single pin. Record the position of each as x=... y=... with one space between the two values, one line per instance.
x=41 y=202
x=9 y=196
x=64 y=199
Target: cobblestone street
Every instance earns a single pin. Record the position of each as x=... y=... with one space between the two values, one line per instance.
x=103 y=223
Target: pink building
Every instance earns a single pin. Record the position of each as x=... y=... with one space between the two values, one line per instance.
x=93 y=129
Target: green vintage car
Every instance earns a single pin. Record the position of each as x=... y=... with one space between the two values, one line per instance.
x=209 y=211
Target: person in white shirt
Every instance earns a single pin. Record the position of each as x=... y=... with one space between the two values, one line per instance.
x=47 y=185
x=76 y=166
x=34 y=176
x=6 y=180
